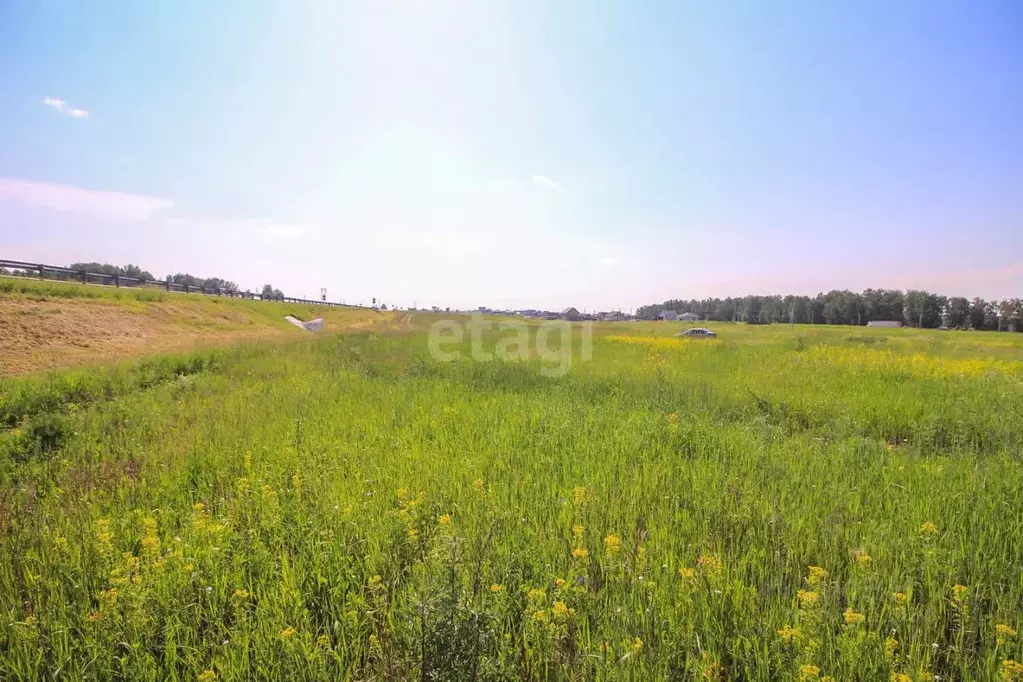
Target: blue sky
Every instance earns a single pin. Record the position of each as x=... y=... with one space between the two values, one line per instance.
x=520 y=153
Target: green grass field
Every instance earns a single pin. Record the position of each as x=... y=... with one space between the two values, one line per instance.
x=776 y=504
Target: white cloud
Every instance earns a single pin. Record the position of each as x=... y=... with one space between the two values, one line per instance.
x=108 y=205
x=62 y=106
x=285 y=231
x=545 y=181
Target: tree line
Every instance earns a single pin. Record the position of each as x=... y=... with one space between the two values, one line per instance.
x=913 y=308
x=181 y=278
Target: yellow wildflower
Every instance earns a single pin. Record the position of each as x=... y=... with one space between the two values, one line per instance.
x=580 y=553
x=560 y=583
x=809 y=672
x=807 y=599
x=150 y=538
x=612 y=545
x=94 y=617
x=901 y=598
x=900 y=677
x=288 y=633
x=540 y=616
x=412 y=533
x=1005 y=633
x=788 y=634
x=852 y=617
x=495 y=588
x=207 y=676
x=536 y=594
x=687 y=573
x=891 y=646
x=928 y=528
x=959 y=591
x=817 y=576
x=444 y=519
x=710 y=563
x=578 y=530
x=323 y=641
x=579 y=495
x=241 y=593
x=711 y=668
x=103 y=536
x=561 y=611
x=1012 y=671
x=637 y=645
x=861 y=557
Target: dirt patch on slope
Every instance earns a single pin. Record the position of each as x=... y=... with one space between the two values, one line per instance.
x=38 y=335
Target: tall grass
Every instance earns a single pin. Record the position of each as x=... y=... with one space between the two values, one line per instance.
x=348 y=508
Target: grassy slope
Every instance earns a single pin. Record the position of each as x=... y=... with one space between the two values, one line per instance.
x=281 y=512
x=46 y=325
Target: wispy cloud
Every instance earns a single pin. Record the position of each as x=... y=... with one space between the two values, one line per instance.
x=545 y=181
x=60 y=105
x=285 y=230
x=98 y=204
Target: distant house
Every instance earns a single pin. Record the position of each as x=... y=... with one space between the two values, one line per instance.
x=688 y=317
x=570 y=314
x=668 y=315
x=883 y=323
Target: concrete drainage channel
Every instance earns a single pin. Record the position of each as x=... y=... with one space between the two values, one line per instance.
x=310 y=326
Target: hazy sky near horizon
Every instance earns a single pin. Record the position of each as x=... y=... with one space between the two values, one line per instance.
x=519 y=153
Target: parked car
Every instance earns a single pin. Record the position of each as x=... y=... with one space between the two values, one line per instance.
x=697 y=333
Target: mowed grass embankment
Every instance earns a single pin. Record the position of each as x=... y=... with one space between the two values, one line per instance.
x=47 y=325
x=777 y=504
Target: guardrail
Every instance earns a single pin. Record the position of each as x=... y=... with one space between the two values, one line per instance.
x=40 y=270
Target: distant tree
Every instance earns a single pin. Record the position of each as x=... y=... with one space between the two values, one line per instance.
x=991 y=319
x=751 y=309
x=108 y=269
x=978 y=312
x=958 y=312
x=649 y=312
x=1008 y=313
x=817 y=309
x=922 y=309
x=1016 y=321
